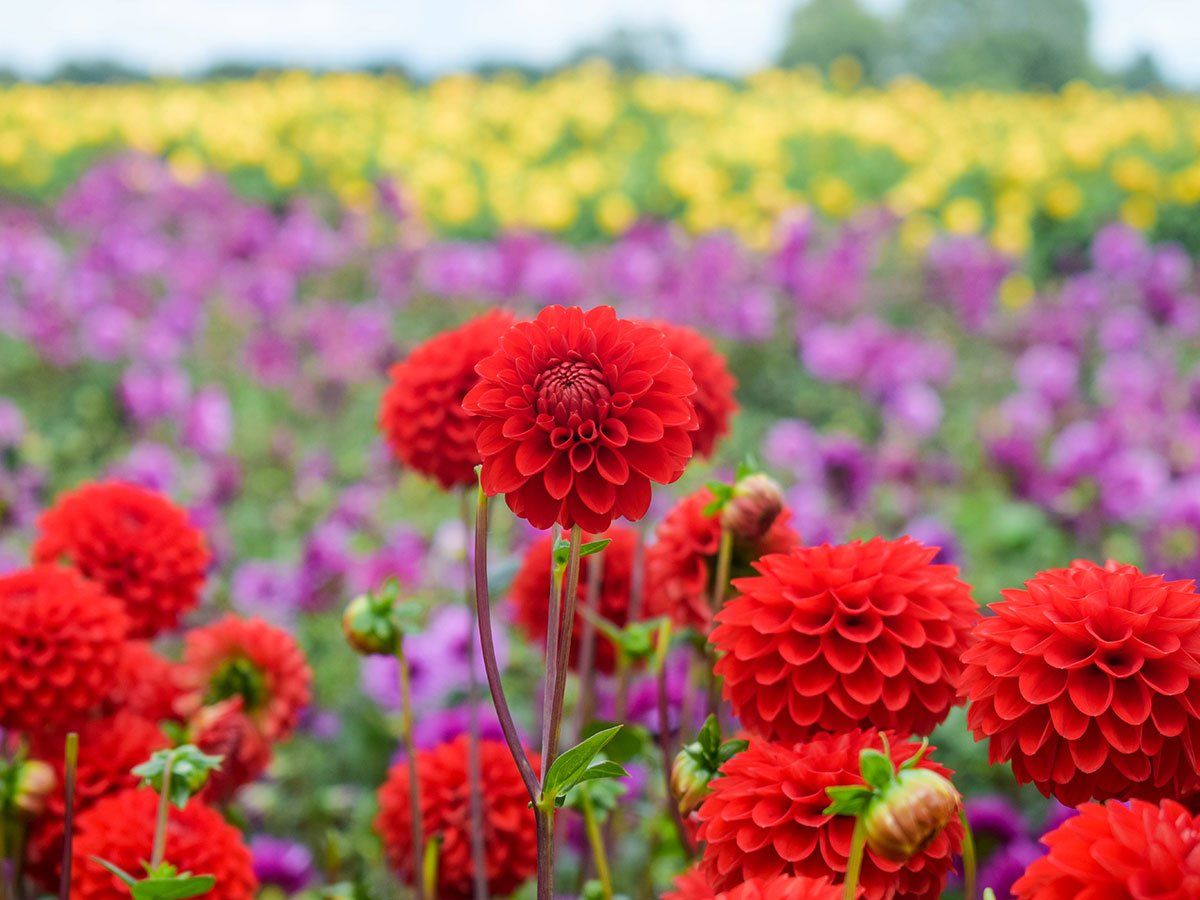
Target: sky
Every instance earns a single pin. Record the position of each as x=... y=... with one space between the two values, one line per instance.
x=431 y=36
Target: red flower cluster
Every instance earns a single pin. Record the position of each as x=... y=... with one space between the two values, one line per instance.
x=60 y=647
x=579 y=413
x=693 y=886
x=508 y=821
x=147 y=683
x=1086 y=681
x=421 y=415
x=120 y=830
x=681 y=561
x=831 y=638
x=223 y=729
x=714 y=400
x=134 y=543
x=531 y=592
x=765 y=817
x=253 y=660
x=1140 y=851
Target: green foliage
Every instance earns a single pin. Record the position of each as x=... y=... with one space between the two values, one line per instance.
x=820 y=31
x=161 y=883
x=578 y=765
x=189 y=766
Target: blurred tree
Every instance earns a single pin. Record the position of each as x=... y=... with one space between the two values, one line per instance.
x=995 y=43
x=1142 y=74
x=96 y=71
x=821 y=31
x=629 y=49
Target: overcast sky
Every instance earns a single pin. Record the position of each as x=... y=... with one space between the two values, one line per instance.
x=437 y=35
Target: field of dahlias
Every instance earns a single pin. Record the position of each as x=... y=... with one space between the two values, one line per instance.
x=599 y=487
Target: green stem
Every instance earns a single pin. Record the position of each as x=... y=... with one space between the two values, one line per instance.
x=159 y=849
x=414 y=783
x=553 y=627
x=969 y=859
x=596 y=840
x=433 y=853
x=587 y=647
x=71 y=764
x=858 y=845
x=474 y=763
x=4 y=820
x=720 y=583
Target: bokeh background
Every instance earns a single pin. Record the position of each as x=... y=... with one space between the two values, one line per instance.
x=948 y=247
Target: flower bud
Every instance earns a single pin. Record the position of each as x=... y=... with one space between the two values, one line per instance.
x=33 y=784
x=689 y=781
x=369 y=627
x=909 y=813
x=756 y=503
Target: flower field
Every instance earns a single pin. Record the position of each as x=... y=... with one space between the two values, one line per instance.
x=326 y=402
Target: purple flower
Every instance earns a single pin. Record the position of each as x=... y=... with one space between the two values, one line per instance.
x=934 y=533
x=1120 y=251
x=12 y=424
x=432 y=729
x=996 y=817
x=150 y=465
x=150 y=393
x=280 y=863
x=1002 y=869
x=1049 y=372
x=208 y=424
x=265 y=589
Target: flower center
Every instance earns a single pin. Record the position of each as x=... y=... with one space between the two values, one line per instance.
x=237 y=678
x=572 y=392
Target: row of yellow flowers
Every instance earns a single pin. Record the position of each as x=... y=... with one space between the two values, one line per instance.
x=587 y=151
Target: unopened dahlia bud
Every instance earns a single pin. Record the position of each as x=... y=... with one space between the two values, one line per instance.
x=755 y=504
x=905 y=817
x=689 y=782
x=375 y=623
x=32 y=787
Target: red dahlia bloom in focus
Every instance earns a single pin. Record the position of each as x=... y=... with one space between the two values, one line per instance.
x=692 y=885
x=60 y=647
x=133 y=542
x=1140 y=851
x=421 y=415
x=120 y=830
x=681 y=561
x=829 y=638
x=714 y=397
x=1087 y=682
x=765 y=817
x=531 y=592
x=250 y=659
x=509 y=829
x=579 y=413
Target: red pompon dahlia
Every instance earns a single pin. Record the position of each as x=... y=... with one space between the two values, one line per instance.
x=714 y=397
x=133 y=542
x=509 y=828
x=253 y=660
x=60 y=647
x=579 y=413
x=681 y=561
x=421 y=415
x=829 y=638
x=225 y=730
x=766 y=817
x=147 y=683
x=1088 y=683
x=693 y=886
x=1140 y=851
x=530 y=592
x=120 y=830
x=109 y=748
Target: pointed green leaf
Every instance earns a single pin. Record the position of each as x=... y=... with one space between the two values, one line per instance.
x=730 y=749
x=710 y=737
x=177 y=888
x=115 y=870
x=593 y=547
x=877 y=769
x=567 y=770
x=848 y=800
x=630 y=742
x=603 y=769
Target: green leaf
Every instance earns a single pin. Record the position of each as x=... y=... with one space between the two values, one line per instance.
x=722 y=494
x=190 y=768
x=115 y=870
x=710 y=737
x=604 y=769
x=568 y=770
x=730 y=749
x=631 y=741
x=848 y=800
x=877 y=769
x=593 y=547
x=172 y=888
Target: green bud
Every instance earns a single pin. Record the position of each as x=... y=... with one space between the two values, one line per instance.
x=904 y=817
x=32 y=786
x=689 y=782
x=369 y=628
x=755 y=504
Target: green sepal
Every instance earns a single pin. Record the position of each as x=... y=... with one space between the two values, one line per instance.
x=190 y=768
x=848 y=800
x=912 y=761
x=877 y=768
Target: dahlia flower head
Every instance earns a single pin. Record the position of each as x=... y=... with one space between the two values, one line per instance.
x=61 y=638
x=766 y=817
x=692 y=885
x=578 y=414
x=681 y=561
x=715 y=387
x=422 y=416
x=509 y=828
x=1088 y=681
x=134 y=543
x=530 y=592
x=253 y=660
x=1138 y=851
x=830 y=638
x=223 y=729
x=120 y=830
x=147 y=683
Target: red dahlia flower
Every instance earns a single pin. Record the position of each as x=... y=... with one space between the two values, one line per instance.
x=225 y=730
x=830 y=638
x=692 y=886
x=714 y=399
x=133 y=542
x=1140 y=851
x=109 y=749
x=60 y=647
x=421 y=415
x=509 y=828
x=765 y=817
x=250 y=659
x=531 y=592
x=147 y=683
x=681 y=561
x=579 y=412
x=1087 y=682
x=120 y=830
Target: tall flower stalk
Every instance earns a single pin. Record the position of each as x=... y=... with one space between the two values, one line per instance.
x=414 y=780
x=474 y=765
x=71 y=764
